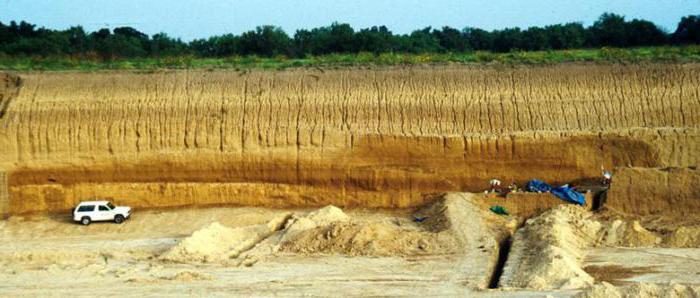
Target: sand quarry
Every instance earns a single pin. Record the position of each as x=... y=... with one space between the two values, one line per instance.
x=308 y=181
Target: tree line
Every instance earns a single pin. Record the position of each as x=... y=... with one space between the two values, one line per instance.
x=610 y=30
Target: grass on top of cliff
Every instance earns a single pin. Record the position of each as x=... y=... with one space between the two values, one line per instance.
x=604 y=55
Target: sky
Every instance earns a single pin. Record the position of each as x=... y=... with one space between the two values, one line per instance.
x=200 y=19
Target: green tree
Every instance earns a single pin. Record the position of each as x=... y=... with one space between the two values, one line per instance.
x=478 y=39
x=609 y=30
x=264 y=41
x=535 y=39
x=163 y=45
x=507 y=39
x=450 y=40
x=420 y=41
x=375 y=39
x=342 y=38
x=567 y=36
x=688 y=31
x=644 y=33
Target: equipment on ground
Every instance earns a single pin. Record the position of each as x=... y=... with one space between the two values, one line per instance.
x=500 y=210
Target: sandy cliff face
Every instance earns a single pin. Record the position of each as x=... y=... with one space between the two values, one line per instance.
x=376 y=138
x=670 y=192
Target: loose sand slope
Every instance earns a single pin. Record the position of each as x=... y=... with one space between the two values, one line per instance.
x=549 y=250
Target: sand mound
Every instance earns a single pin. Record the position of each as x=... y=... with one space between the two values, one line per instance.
x=547 y=252
x=297 y=224
x=320 y=217
x=219 y=243
x=330 y=231
x=629 y=234
x=437 y=215
x=641 y=290
x=327 y=230
x=375 y=239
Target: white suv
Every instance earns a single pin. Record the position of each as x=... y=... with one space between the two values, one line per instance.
x=87 y=212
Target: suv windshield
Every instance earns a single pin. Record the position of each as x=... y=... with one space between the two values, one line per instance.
x=111 y=207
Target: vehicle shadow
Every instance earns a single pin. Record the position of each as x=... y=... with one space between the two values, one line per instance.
x=62 y=218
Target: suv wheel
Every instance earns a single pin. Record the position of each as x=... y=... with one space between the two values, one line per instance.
x=85 y=221
x=119 y=218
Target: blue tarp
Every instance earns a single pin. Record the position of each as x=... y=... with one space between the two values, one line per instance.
x=569 y=194
x=538 y=186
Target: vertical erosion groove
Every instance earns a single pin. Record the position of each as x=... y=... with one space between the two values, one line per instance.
x=4 y=195
x=9 y=88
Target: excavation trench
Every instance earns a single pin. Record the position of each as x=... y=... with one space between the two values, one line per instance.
x=503 y=251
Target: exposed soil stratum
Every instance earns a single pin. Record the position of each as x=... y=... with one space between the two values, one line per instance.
x=348 y=137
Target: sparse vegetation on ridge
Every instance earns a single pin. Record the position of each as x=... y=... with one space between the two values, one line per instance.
x=679 y=54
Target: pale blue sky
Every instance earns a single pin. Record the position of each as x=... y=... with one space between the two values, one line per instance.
x=197 y=19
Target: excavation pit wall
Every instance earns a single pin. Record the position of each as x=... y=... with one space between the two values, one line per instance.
x=668 y=192
x=377 y=138
x=376 y=172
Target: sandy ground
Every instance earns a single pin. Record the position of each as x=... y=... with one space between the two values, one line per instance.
x=654 y=265
x=51 y=256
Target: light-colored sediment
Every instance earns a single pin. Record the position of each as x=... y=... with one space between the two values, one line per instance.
x=641 y=290
x=550 y=250
x=379 y=138
x=217 y=243
x=51 y=255
x=322 y=252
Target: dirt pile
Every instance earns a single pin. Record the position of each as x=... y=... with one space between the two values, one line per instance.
x=548 y=251
x=628 y=234
x=217 y=243
x=369 y=239
x=296 y=225
x=324 y=231
x=639 y=290
x=330 y=231
x=319 y=218
x=684 y=237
